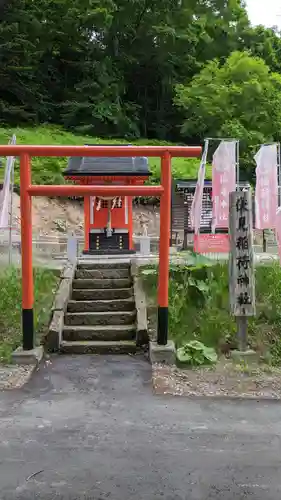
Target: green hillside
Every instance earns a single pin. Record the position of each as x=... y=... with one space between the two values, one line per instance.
x=49 y=170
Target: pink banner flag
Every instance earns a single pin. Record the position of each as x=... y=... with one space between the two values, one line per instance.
x=223 y=181
x=266 y=196
x=196 y=207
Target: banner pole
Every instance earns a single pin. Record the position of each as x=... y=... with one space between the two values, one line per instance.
x=11 y=212
x=279 y=172
x=237 y=165
x=196 y=206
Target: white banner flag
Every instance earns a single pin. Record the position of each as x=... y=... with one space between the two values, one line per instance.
x=196 y=207
x=5 y=194
x=223 y=181
x=266 y=195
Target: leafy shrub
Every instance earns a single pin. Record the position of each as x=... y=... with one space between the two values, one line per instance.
x=196 y=353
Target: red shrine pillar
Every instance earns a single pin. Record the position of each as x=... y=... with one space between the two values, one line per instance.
x=130 y=222
x=86 y=223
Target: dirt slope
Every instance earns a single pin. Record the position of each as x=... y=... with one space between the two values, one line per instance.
x=53 y=217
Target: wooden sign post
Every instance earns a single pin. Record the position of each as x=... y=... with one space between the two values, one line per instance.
x=241 y=262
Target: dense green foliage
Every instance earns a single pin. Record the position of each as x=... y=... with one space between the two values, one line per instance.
x=199 y=306
x=45 y=282
x=226 y=100
x=133 y=68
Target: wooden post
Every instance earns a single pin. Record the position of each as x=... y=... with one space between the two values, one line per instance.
x=241 y=262
x=264 y=242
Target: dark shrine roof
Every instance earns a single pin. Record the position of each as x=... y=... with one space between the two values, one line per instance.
x=100 y=166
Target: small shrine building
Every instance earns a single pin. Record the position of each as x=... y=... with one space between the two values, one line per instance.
x=108 y=221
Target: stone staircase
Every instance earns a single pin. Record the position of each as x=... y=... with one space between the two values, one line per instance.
x=101 y=312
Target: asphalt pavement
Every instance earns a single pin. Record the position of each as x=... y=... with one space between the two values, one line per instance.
x=89 y=427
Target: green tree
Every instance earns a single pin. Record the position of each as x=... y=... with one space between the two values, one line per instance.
x=109 y=67
x=20 y=50
x=265 y=43
x=240 y=98
x=73 y=63
x=45 y=48
x=158 y=43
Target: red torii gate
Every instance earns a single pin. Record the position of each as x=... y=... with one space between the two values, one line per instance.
x=27 y=190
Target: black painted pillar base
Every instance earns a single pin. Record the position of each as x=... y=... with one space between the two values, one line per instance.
x=27 y=329
x=162 y=330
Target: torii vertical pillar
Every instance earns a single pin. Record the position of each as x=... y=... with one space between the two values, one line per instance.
x=164 y=251
x=26 y=254
x=130 y=222
x=87 y=209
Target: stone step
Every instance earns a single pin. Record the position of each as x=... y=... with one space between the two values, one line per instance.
x=102 y=283
x=100 y=318
x=101 y=293
x=105 y=333
x=101 y=305
x=110 y=264
x=102 y=273
x=98 y=347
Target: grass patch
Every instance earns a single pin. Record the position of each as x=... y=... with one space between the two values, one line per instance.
x=49 y=170
x=199 y=307
x=45 y=282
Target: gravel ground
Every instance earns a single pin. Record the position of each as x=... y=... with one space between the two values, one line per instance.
x=225 y=379
x=15 y=376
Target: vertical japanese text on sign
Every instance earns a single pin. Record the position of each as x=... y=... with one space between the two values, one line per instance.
x=242 y=289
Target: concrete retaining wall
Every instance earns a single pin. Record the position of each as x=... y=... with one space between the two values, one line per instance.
x=140 y=302
x=54 y=335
